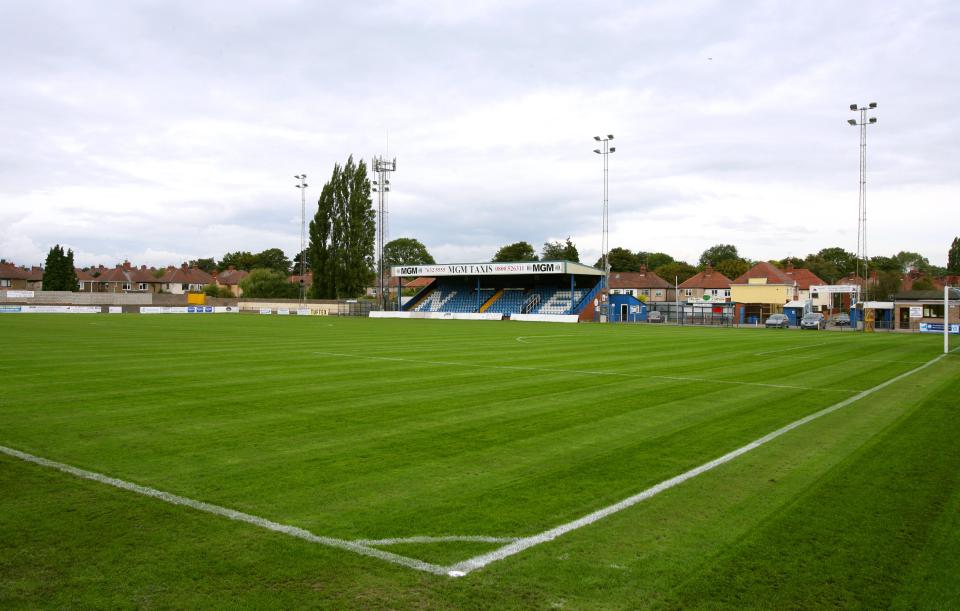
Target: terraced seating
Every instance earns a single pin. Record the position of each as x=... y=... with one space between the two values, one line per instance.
x=510 y=302
x=554 y=301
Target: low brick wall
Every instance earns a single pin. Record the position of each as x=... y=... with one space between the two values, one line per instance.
x=130 y=301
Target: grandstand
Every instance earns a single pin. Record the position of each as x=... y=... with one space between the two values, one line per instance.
x=529 y=287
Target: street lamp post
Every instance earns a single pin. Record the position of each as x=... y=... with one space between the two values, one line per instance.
x=862 y=197
x=605 y=152
x=302 y=185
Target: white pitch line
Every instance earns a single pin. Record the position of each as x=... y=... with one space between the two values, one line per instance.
x=444 y=539
x=789 y=349
x=174 y=499
x=522 y=338
x=581 y=372
x=483 y=560
x=853 y=359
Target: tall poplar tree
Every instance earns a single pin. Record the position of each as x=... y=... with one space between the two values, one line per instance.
x=342 y=234
x=953 y=257
x=58 y=271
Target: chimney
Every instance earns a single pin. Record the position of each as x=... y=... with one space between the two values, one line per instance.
x=232 y=268
x=643 y=268
x=708 y=270
x=143 y=268
x=790 y=267
x=183 y=266
x=126 y=265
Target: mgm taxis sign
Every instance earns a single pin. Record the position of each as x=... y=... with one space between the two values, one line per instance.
x=481 y=269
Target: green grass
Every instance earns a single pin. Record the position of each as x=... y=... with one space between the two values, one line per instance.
x=361 y=429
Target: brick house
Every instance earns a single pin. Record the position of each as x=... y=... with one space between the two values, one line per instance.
x=643 y=283
x=231 y=278
x=183 y=279
x=707 y=286
x=12 y=277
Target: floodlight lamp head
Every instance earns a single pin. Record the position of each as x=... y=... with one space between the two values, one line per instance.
x=873 y=104
x=597 y=151
x=597 y=138
x=852 y=121
x=609 y=136
x=873 y=119
x=853 y=107
x=613 y=149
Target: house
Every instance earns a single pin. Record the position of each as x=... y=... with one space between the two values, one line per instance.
x=643 y=283
x=915 y=310
x=707 y=286
x=761 y=291
x=125 y=278
x=12 y=277
x=183 y=279
x=231 y=278
x=85 y=281
x=805 y=279
x=35 y=279
x=307 y=279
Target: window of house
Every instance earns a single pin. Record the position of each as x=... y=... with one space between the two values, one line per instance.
x=933 y=311
x=726 y=292
x=184 y=287
x=126 y=286
x=4 y=282
x=659 y=293
x=645 y=292
x=142 y=286
x=687 y=292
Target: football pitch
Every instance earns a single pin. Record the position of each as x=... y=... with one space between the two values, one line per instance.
x=263 y=461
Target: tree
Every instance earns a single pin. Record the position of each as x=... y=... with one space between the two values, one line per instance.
x=732 y=268
x=406 y=251
x=953 y=257
x=305 y=255
x=518 y=251
x=215 y=290
x=342 y=234
x=59 y=273
x=912 y=260
x=884 y=264
x=239 y=260
x=207 y=265
x=272 y=258
x=654 y=260
x=887 y=285
x=620 y=260
x=788 y=261
x=717 y=254
x=268 y=283
x=835 y=261
x=559 y=251
x=676 y=271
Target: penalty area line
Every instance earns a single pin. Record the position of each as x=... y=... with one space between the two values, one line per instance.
x=173 y=499
x=477 y=562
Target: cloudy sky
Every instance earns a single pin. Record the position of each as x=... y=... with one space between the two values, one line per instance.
x=162 y=131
